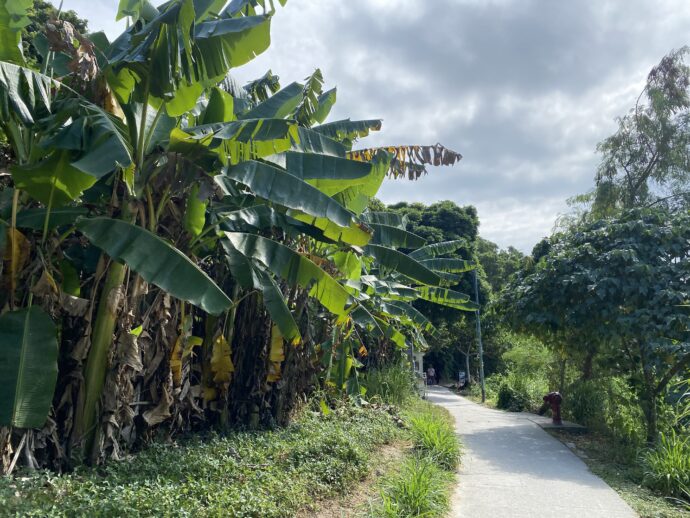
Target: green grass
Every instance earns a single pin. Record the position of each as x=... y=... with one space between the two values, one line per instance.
x=667 y=466
x=394 y=384
x=262 y=474
x=625 y=477
x=423 y=484
x=420 y=489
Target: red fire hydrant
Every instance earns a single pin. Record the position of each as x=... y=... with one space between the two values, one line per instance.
x=554 y=399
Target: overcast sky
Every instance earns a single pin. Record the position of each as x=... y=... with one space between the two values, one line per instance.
x=524 y=89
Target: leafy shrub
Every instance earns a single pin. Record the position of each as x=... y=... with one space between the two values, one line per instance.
x=393 y=384
x=519 y=392
x=609 y=406
x=667 y=465
x=419 y=489
x=436 y=439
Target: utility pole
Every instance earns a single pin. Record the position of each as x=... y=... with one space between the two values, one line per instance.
x=479 y=338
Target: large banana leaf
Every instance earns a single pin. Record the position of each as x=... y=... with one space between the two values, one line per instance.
x=388 y=289
x=157 y=261
x=35 y=218
x=347 y=131
x=436 y=249
x=260 y=217
x=100 y=139
x=356 y=198
x=250 y=276
x=356 y=234
x=23 y=93
x=278 y=186
x=397 y=261
x=28 y=367
x=54 y=180
x=294 y=268
x=279 y=105
x=391 y=219
x=228 y=43
x=389 y=236
x=408 y=314
x=13 y=17
x=450 y=265
x=446 y=297
x=233 y=142
x=328 y=174
x=313 y=142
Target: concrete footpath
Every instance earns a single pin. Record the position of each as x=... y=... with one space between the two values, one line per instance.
x=512 y=468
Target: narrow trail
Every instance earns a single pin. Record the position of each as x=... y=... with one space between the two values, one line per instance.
x=511 y=468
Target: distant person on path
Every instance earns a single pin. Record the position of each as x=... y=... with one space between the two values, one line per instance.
x=431 y=375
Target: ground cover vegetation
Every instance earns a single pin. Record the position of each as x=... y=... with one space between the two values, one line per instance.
x=182 y=254
x=287 y=471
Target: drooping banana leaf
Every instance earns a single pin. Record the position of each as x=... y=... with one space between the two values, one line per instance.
x=249 y=276
x=294 y=268
x=28 y=367
x=436 y=249
x=278 y=106
x=13 y=18
x=389 y=236
x=328 y=174
x=260 y=217
x=391 y=333
x=409 y=313
x=446 y=297
x=156 y=260
x=397 y=261
x=388 y=289
x=313 y=142
x=347 y=131
x=392 y=219
x=233 y=142
x=24 y=93
x=356 y=198
x=53 y=181
x=451 y=265
x=99 y=139
x=35 y=218
x=364 y=318
x=410 y=161
x=278 y=186
x=356 y=234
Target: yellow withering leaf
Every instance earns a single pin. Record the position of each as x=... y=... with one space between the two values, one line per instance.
x=276 y=355
x=221 y=361
x=176 y=361
x=16 y=254
x=182 y=350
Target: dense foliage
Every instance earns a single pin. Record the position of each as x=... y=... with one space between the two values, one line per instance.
x=186 y=252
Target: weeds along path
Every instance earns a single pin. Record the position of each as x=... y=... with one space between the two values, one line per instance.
x=512 y=468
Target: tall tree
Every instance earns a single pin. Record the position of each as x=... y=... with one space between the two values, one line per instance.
x=617 y=287
x=649 y=155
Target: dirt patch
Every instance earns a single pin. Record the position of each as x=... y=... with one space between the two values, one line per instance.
x=355 y=503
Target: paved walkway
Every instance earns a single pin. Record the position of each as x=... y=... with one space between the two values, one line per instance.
x=511 y=468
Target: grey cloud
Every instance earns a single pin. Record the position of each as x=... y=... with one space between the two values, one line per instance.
x=523 y=88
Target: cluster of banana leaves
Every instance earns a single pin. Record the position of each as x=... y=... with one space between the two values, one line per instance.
x=179 y=249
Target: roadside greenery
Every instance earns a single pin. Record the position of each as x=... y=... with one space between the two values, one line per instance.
x=423 y=484
x=268 y=473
